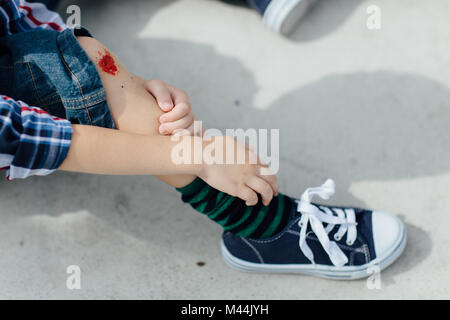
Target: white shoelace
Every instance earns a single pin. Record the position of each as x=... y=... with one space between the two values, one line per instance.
x=311 y=214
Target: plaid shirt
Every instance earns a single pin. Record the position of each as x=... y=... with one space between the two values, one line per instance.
x=20 y=16
x=32 y=142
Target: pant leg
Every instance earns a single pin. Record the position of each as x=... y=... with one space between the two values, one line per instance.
x=50 y=70
x=258 y=5
x=236 y=2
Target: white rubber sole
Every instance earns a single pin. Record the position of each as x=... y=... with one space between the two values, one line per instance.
x=283 y=15
x=323 y=271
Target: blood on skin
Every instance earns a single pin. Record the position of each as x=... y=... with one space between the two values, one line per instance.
x=107 y=63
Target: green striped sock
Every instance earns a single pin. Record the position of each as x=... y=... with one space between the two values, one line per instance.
x=233 y=215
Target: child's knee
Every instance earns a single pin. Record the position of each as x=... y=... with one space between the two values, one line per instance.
x=90 y=46
x=105 y=62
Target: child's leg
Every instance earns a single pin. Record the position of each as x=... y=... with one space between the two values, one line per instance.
x=279 y=15
x=133 y=109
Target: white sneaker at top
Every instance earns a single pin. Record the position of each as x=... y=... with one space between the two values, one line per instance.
x=283 y=15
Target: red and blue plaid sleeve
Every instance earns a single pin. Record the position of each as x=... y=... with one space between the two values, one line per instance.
x=21 y=16
x=32 y=142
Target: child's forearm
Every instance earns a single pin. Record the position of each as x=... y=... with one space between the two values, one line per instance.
x=105 y=151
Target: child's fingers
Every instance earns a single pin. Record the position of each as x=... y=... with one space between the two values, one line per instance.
x=248 y=195
x=262 y=187
x=178 y=96
x=250 y=156
x=170 y=127
x=185 y=132
x=266 y=174
x=179 y=111
x=161 y=92
x=190 y=131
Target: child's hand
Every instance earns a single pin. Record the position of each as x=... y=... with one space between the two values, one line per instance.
x=240 y=180
x=178 y=115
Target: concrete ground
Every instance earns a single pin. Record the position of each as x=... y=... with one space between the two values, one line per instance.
x=370 y=109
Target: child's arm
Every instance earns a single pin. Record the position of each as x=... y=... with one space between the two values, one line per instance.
x=32 y=142
x=105 y=151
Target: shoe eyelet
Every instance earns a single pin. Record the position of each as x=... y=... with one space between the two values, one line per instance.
x=337 y=238
x=350 y=243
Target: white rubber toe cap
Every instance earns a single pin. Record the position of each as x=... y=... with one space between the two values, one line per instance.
x=387 y=232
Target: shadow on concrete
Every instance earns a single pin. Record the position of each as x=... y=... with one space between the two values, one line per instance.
x=418 y=247
x=324 y=18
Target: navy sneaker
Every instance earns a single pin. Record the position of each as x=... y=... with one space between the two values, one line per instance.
x=324 y=241
x=282 y=15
